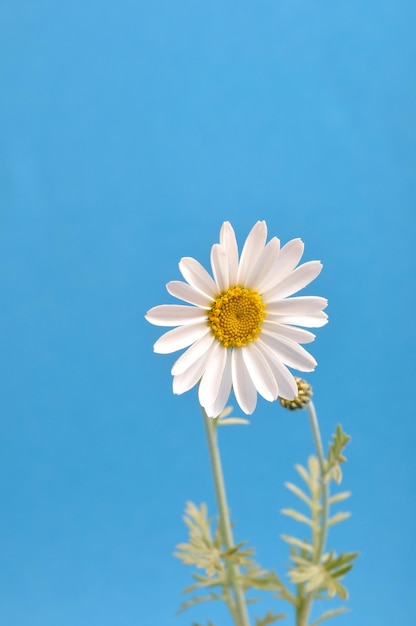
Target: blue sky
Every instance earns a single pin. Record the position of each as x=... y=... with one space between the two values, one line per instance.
x=129 y=133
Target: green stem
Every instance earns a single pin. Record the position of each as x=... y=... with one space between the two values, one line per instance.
x=302 y=612
x=313 y=420
x=224 y=518
x=305 y=604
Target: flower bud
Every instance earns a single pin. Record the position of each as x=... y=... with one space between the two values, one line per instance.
x=302 y=399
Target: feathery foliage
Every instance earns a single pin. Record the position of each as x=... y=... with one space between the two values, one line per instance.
x=205 y=551
x=316 y=573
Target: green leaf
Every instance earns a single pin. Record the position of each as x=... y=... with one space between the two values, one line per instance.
x=230 y=421
x=339 y=441
x=202 y=550
x=270 y=618
x=314 y=468
x=198 y=600
x=303 y=473
x=333 y=561
x=318 y=577
x=226 y=412
x=303 y=545
x=224 y=420
x=339 y=517
x=298 y=492
x=257 y=578
x=339 y=497
x=339 y=573
x=237 y=549
x=335 y=457
x=329 y=614
x=203 y=582
x=205 y=550
x=299 y=517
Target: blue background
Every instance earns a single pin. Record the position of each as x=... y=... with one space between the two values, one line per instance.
x=129 y=132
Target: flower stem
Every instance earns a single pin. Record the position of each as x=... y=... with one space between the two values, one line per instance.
x=305 y=604
x=224 y=519
x=313 y=420
x=303 y=610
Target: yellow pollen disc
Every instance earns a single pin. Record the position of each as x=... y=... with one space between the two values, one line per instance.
x=236 y=316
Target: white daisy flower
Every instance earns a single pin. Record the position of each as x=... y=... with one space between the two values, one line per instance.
x=241 y=330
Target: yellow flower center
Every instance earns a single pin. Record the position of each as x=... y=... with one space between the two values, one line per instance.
x=236 y=316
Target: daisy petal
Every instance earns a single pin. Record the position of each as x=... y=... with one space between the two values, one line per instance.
x=244 y=389
x=185 y=292
x=291 y=332
x=301 y=305
x=188 y=358
x=229 y=243
x=260 y=372
x=286 y=382
x=211 y=379
x=296 y=280
x=288 y=258
x=189 y=378
x=219 y=264
x=289 y=352
x=315 y=320
x=252 y=249
x=224 y=391
x=179 y=338
x=197 y=276
x=265 y=264
x=175 y=315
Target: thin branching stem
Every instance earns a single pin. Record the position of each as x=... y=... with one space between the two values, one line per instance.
x=224 y=518
x=305 y=605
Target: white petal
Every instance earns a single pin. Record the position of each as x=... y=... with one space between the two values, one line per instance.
x=244 y=389
x=229 y=242
x=185 y=292
x=175 y=315
x=179 y=338
x=301 y=305
x=188 y=358
x=260 y=372
x=315 y=320
x=252 y=249
x=265 y=263
x=189 y=378
x=224 y=391
x=197 y=276
x=291 y=332
x=286 y=382
x=289 y=352
x=211 y=380
x=219 y=263
x=296 y=280
x=289 y=256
